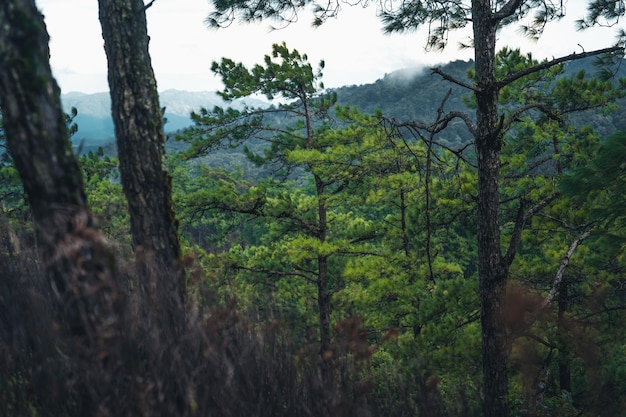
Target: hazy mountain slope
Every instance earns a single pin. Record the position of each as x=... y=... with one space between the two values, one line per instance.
x=416 y=96
x=95 y=125
x=407 y=94
x=413 y=95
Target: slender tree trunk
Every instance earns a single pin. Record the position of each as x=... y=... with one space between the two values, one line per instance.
x=429 y=400
x=138 y=123
x=492 y=272
x=323 y=295
x=565 y=376
x=404 y=228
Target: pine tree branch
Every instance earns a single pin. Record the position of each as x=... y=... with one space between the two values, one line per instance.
x=507 y=10
x=523 y=217
x=453 y=80
x=556 y=283
x=437 y=127
x=558 y=278
x=513 y=118
x=275 y=273
x=469 y=123
x=549 y=64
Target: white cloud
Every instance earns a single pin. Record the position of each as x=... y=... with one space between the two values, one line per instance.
x=353 y=46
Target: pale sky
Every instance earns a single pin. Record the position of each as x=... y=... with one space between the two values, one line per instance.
x=353 y=46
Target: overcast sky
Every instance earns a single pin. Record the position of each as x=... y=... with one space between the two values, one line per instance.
x=353 y=46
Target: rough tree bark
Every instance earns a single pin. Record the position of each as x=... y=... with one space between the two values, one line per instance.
x=140 y=144
x=36 y=133
x=491 y=270
x=76 y=258
x=37 y=139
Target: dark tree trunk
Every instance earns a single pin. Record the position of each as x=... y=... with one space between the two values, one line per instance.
x=36 y=133
x=75 y=256
x=37 y=139
x=140 y=144
x=492 y=272
x=323 y=294
x=565 y=376
x=429 y=400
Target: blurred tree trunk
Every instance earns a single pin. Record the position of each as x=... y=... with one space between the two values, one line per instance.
x=36 y=133
x=38 y=140
x=141 y=148
x=76 y=257
x=565 y=376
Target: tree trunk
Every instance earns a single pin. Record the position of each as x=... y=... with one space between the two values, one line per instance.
x=37 y=139
x=138 y=123
x=491 y=270
x=565 y=376
x=323 y=303
x=76 y=258
x=36 y=133
x=323 y=293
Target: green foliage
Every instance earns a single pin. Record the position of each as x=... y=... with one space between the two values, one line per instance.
x=600 y=183
x=388 y=210
x=290 y=78
x=440 y=17
x=556 y=406
x=301 y=206
x=106 y=199
x=601 y=13
x=13 y=205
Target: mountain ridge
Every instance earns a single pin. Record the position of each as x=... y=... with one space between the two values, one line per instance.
x=405 y=94
x=95 y=125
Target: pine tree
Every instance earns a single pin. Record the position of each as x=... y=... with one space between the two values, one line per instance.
x=488 y=126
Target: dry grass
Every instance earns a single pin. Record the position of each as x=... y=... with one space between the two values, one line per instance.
x=102 y=346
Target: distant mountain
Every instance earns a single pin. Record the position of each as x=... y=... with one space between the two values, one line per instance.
x=407 y=94
x=394 y=94
x=412 y=94
x=95 y=125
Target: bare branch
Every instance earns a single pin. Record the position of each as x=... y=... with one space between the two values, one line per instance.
x=558 y=278
x=508 y=10
x=555 y=287
x=356 y=253
x=538 y=339
x=276 y=273
x=523 y=217
x=439 y=125
x=458 y=115
x=604 y=310
x=513 y=118
x=453 y=80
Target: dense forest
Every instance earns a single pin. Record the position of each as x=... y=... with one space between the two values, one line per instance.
x=405 y=248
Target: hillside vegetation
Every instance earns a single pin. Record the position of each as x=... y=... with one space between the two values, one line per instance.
x=449 y=242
